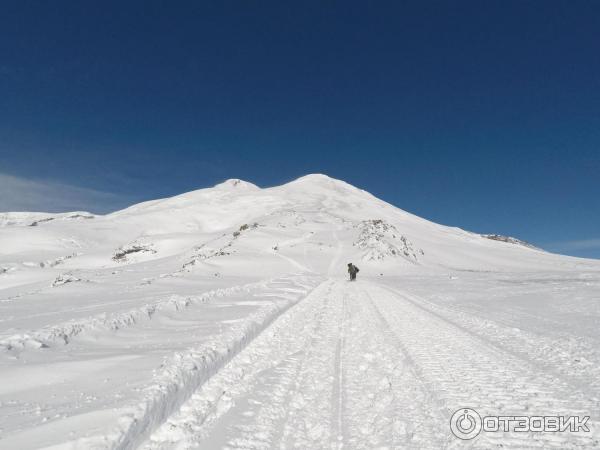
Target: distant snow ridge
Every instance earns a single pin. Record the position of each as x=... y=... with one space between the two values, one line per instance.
x=381 y=239
x=509 y=239
x=33 y=219
x=69 y=216
x=65 y=332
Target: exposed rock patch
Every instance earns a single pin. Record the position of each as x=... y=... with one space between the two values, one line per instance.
x=124 y=251
x=380 y=239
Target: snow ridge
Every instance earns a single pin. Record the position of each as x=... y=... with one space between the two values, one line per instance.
x=65 y=332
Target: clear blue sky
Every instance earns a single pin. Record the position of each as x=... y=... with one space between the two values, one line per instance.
x=479 y=114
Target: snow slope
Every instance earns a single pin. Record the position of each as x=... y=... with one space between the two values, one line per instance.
x=205 y=319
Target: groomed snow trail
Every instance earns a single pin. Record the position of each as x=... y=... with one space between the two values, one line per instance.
x=360 y=366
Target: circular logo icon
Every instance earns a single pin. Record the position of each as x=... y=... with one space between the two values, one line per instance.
x=465 y=423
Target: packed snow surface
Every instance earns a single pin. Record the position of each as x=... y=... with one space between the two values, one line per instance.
x=222 y=318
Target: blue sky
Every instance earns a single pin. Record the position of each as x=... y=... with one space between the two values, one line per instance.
x=483 y=115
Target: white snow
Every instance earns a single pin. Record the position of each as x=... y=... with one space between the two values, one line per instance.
x=221 y=318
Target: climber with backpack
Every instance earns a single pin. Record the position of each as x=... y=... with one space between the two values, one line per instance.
x=352 y=270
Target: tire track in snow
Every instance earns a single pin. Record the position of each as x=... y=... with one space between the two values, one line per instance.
x=286 y=397
x=310 y=422
x=324 y=375
x=360 y=362
x=256 y=388
x=338 y=402
x=546 y=354
x=389 y=404
x=465 y=370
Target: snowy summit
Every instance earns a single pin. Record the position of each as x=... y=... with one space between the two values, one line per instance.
x=223 y=318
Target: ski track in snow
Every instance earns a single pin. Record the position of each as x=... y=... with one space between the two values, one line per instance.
x=360 y=366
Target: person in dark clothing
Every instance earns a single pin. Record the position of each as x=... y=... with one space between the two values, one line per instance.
x=352 y=270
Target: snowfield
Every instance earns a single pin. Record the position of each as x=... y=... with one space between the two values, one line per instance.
x=222 y=318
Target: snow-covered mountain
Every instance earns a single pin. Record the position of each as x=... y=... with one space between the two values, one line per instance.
x=308 y=224
x=108 y=324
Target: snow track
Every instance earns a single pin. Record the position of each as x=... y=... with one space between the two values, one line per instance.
x=181 y=374
x=180 y=343
x=554 y=354
x=356 y=365
x=465 y=370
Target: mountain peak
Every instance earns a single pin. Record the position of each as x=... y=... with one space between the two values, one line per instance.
x=316 y=177
x=236 y=183
x=319 y=179
x=320 y=182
